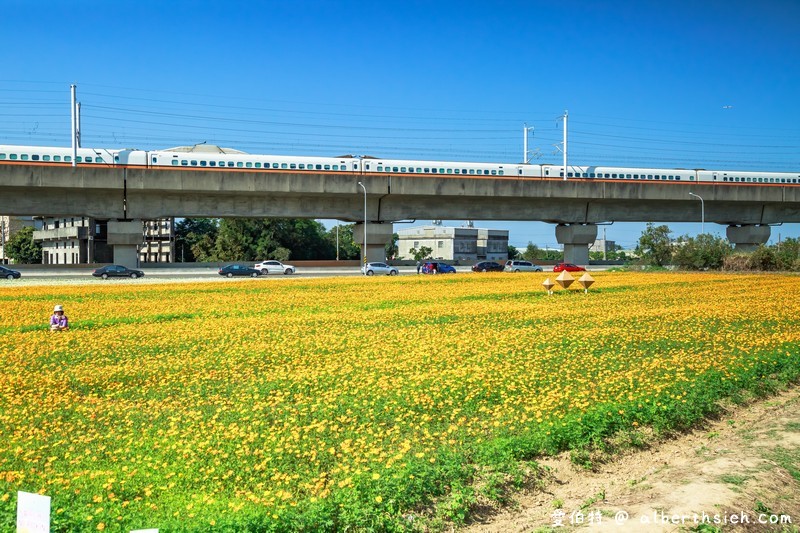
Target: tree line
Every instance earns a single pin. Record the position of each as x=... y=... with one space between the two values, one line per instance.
x=251 y=239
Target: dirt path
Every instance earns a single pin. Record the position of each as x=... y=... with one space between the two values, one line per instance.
x=733 y=473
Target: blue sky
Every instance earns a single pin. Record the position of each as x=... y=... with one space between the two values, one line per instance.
x=691 y=84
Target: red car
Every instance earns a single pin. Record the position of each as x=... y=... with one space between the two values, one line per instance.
x=569 y=267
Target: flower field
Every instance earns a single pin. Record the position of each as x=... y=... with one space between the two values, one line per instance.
x=323 y=404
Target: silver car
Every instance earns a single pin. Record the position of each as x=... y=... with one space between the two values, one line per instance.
x=521 y=266
x=274 y=267
x=378 y=268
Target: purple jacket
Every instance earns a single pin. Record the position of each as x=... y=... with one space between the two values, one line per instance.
x=60 y=321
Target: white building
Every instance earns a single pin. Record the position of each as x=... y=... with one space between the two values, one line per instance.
x=454 y=244
x=9 y=226
x=81 y=240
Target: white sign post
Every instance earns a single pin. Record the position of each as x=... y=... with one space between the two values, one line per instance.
x=33 y=513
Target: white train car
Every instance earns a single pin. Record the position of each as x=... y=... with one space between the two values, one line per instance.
x=453 y=168
x=55 y=155
x=758 y=178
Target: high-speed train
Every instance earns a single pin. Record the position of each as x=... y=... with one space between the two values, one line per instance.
x=206 y=161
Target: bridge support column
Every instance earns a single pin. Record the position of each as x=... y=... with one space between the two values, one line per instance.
x=126 y=237
x=378 y=236
x=747 y=237
x=576 y=239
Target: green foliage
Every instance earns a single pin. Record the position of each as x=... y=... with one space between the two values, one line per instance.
x=194 y=234
x=655 y=245
x=763 y=258
x=22 y=248
x=348 y=249
x=423 y=253
x=391 y=248
x=253 y=239
x=787 y=254
x=534 y=253
x=702 y=253
x=512 y=252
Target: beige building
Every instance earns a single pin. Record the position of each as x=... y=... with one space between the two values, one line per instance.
x=455 y=244
x=81 y=240
x=9 y=226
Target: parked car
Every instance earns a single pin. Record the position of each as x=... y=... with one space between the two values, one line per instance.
x=274 y=267
x=521 y=266
x=378 y=268
x=569 y=267
x=8 y=273
x=238 y=270
x=433 y=267
x=487 y=266
x=116 y=271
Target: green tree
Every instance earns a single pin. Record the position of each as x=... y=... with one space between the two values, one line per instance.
x=513 y=253
x=703 y=252
x=23 y=249
x=391 y=247
x=348 y=249
x=787 y=254
x=189 y=232
x=655 y=245
x=423 y=253
x=532 y=252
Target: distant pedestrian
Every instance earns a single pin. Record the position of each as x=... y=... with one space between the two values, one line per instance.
x=59 y=321
x=419 y=265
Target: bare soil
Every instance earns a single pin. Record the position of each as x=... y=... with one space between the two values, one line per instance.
x=729 y=474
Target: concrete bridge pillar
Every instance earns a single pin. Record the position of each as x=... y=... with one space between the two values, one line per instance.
x=576 y=239
x=378 y=236
x=125 y=236
x=747 y=237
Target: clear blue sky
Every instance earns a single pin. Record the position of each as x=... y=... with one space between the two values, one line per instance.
x=692 y=84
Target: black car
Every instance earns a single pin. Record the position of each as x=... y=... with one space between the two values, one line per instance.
x=239 y=270
x=487 y=266
x=8 y=273
x=117 y=271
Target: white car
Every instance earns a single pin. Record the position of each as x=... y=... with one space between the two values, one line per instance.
x=521 y=266
x=378 y=268
x=274 y=267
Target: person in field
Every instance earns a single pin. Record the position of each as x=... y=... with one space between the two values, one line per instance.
x=59 y=321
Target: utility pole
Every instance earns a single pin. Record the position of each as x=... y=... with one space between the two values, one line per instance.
x=565 y=143
x=74 y=132
x=525 y=129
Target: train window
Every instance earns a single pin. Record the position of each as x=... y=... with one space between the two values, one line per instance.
x=301 y=166
x=433 y=171
x=380 y=168
x=411 y=169
x=628 y=176
x=677 y=178
x=258 y=165
x=45 y=158
x=636 y=176
x=485 y=172
x=402 y=169
x=500 y=172
x=419 y=170
x=35 y=157
x=427 y=170
x=68 y=159
x=2 y=155
x=13 y=157
x=472 y=171
x=457 y=171
x=441 y=171
x=292 y=165
x=249 y=164
x=175 y=162
x=24 y=157
x=394 y=169
x=56 y=158
x=494 y=173
x=327 y=167
x=212 y=163
x=318 y=167
x=203 y=163
x=284 y=165
x=184 y=163
x=78 y=159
